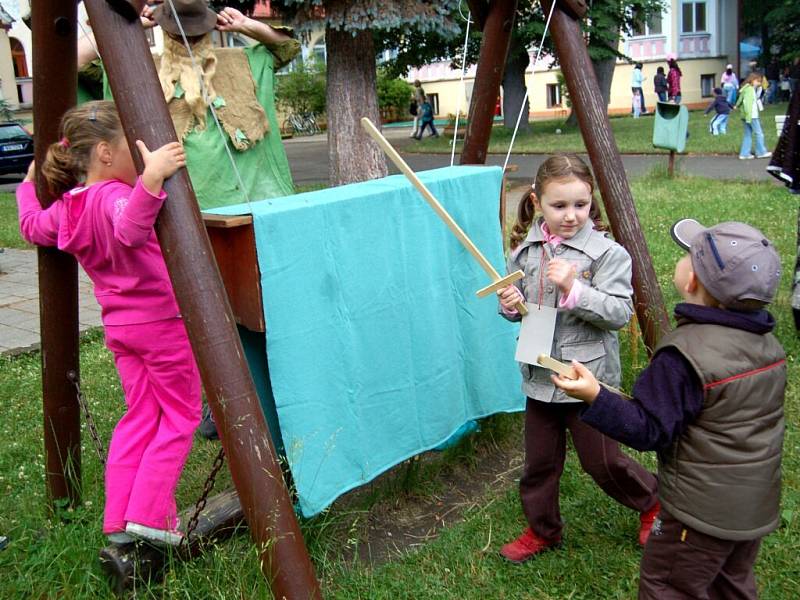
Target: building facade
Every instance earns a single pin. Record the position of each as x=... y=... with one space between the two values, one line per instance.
x=703 y=34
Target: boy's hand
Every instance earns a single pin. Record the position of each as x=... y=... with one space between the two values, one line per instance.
x=585 y=387
x=509 y=296
x=31 y=174
x=562 y=273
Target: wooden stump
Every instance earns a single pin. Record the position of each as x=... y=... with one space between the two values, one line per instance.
x=127 y=563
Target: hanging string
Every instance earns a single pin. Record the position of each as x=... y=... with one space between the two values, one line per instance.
x=210 y=105
x=525 y=97
x=462 y=87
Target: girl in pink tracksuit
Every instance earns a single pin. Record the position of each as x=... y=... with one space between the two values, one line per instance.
x=104 y=217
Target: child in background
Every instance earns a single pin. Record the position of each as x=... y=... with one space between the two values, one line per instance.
x=711 y=404
x=104 y=217
x=722 y=108
x=569 y=263
x=426 y=119
x=750 y=105
x=660 y=84
x=637 y=104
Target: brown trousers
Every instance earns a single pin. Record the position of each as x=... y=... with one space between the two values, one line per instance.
x=680 y=563
x=618 y=475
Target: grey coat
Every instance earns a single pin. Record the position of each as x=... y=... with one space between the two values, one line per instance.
x=587 y=332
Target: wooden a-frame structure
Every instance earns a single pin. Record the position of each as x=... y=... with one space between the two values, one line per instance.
x=201 y=296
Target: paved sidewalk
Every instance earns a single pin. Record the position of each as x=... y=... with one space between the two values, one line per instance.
x=19 y=302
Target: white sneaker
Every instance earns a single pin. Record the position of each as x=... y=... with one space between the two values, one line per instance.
x=120 y=537
x=160 y=537
x=765 y=155
x=748 y=157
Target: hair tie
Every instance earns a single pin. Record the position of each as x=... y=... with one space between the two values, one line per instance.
x=63 y=142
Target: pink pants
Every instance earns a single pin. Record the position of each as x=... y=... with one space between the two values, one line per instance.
x=152 y=440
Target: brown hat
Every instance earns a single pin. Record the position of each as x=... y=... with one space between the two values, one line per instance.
x=194 y=15
x=733 y=261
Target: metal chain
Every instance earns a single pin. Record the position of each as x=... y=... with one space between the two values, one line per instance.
x=72 y=376
x=201 y=502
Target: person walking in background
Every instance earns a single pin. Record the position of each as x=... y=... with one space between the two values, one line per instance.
x=660 y=84
x=674 y=80
x=773 y=73
x=417 y=98
x=729 y=83
x=719 y=123
x=749 y=105
x=794 y=76
x=426 y=119
x=637 y=78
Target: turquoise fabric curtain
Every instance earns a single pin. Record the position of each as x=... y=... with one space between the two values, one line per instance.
x=378 y=348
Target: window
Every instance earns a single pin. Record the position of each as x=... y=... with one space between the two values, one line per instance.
x=553 y=95
x=707 y=85
x=649 y=26
x=694 y=17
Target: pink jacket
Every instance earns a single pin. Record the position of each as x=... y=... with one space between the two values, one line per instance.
x=108 y=227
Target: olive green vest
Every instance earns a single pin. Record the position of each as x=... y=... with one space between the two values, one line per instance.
x=722 y=476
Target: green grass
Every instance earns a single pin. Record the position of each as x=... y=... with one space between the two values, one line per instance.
x=633 y=136
x=599 y=560
x=9 y=227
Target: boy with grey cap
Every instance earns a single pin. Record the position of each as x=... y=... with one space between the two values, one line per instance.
x=711 y=404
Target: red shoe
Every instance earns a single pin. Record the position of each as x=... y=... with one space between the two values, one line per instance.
x=646 y=519
x=527 y=546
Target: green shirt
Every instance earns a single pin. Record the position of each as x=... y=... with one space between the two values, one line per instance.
x=264 y=168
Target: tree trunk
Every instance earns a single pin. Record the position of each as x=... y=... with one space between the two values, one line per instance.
x=352 y=94
x=604 y=71
x=514 y=87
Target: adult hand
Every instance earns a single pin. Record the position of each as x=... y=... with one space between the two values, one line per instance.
x=230 y=19
x=585 y=387
x=562 y=273
x=147 y=14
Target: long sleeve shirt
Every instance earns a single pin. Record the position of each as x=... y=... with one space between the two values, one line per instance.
x=108 y=227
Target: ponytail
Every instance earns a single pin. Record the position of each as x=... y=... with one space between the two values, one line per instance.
x=59 y=169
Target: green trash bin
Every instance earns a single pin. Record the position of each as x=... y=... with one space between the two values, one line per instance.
x=671 y=126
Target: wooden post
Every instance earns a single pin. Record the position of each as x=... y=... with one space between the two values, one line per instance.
x=203 y=302
x=671 y=165
x=587 y=102
x=54 y=68
x=491 y=64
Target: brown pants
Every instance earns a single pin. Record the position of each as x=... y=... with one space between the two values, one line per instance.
x=618 y=475
x=680 y=563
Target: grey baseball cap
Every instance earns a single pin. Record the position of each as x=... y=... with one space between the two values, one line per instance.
x=734 y=261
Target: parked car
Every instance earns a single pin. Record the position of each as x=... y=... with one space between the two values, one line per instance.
x=16 y=148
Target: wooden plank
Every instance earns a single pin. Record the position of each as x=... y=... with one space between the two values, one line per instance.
x=226 y=221
x=567 y=371
x=395 y=157
x=235 y=251
x=500 y=283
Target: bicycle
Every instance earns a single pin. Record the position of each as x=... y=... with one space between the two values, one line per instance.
x=303 y=124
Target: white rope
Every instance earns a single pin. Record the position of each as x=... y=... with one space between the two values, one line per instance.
x=210 y=105
x=525 y=98
x=462 y=86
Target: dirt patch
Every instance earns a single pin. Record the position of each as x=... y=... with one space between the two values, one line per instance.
x=403 y=520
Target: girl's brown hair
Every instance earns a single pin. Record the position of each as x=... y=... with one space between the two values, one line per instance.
x=559 y=166
x=753 y=76
x=81 y=129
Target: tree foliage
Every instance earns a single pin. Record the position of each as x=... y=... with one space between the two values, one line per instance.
x=776 y=21
x=393 y=92
x=246 y=6
x=302 y=90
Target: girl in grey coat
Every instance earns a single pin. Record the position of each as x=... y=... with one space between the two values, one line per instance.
x=572 y=265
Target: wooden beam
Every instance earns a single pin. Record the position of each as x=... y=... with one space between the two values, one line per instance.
x=587 y=102
x=210 y=325
x=54 y=45
x=491 y=65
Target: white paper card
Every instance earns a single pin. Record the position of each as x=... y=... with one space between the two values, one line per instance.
x=536 y=333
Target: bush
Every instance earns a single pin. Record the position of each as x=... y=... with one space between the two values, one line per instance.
x=303 y=89
x=393 y=93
